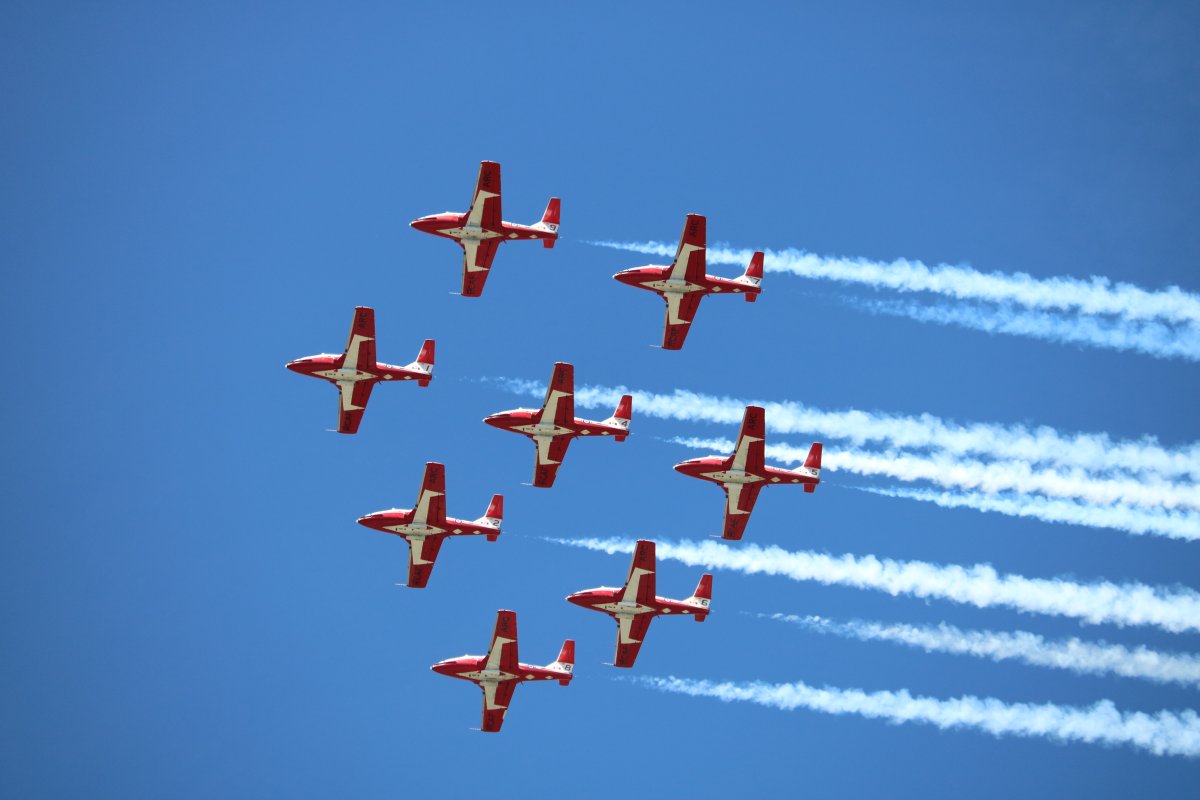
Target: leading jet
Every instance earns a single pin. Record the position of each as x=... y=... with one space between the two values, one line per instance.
x=355 y=372
x=481 y=230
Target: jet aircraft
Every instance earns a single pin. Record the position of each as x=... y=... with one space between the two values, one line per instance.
x=499 y=672
x=425 y=526
x=683 y=284
x=554 y=425
x=481 y=230
x=635 y=606
x=744 y=474
x=355 y=372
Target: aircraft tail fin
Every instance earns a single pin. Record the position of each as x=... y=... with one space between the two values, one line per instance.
x=424 y=363
x=811 y=468
x=549 y=222
x=752 y=277
x=493 y=517
x=702 y=596
x=622 y=416
x=565 y=662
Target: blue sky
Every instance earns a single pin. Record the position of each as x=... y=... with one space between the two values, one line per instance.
x=195 y=195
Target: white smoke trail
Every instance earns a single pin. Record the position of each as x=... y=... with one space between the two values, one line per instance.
x=992 y=478
x=1177 y=610
x=1071 y=654
x=1034 y=446
x=1095 y=296
x=1172 y=524
x=1147 y=337
x=1162 y=733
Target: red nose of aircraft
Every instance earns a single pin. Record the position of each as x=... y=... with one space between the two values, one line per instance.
x=371 y=520
x=443 y=667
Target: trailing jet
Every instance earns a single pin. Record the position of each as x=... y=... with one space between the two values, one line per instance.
x=355 y=372
x=636 y=605
x=554 y=425
x=499 y=673
x=481 y=230
x=683 y=284
x=743 y=474
x=426 y=526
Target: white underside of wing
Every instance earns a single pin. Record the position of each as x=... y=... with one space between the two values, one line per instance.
x=347 y=390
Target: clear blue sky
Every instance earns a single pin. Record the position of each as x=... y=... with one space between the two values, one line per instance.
x=194 y=194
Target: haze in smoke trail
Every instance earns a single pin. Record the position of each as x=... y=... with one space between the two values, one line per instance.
x=1043 y=445
x=1147 y=337
x=1165 y=733
x=992 y=477
x=1175 y=610
x=1171 y=524
x=1095 y=296
x=1071 y=654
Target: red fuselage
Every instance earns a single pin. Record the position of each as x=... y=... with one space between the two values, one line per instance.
x=525 y=421
x=453 y=226
x=657 y=279
x=716 y=469
x=608 y=600
x=474 y=669
x=330 y=368
x=399 y=521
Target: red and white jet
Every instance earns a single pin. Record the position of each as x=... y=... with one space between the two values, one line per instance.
x=683 y=284
x=636 y=605
x=426 y=526
x=743 y=474
x=355 y=372
x=499 y=672
x=481 y=230
x=554 y=425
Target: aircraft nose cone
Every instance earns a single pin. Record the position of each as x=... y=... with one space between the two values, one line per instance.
x=294 y=366
x=576 y=598
x=440 y=667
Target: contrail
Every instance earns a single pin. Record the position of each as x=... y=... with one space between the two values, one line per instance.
x=1165 y=733
x=1175 y=610
x=1071 y=654
x=1171 y=524
x=1035 y=446
x=1095 y=296
x=1142 y=336
x=992 y=477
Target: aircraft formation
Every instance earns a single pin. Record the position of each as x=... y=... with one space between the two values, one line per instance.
x=425 y=527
